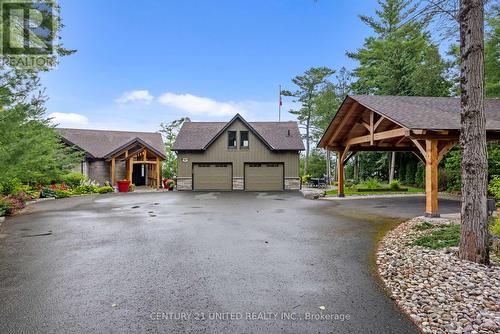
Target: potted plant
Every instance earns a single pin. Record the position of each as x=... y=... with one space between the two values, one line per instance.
x=168 y=184
x=123 y=185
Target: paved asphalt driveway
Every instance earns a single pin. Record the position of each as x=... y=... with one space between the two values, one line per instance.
x=127 y=262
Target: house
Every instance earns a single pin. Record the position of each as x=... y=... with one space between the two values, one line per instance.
x=238 y=155
x=115 y=155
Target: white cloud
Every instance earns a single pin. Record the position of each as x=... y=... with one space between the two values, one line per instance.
x=135 y=96
x=68 y=119
x=198 y=105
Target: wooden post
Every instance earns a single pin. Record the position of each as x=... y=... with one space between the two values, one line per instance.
x=130 y=169
x=113 y=170
x=157 y=173
x=340 y=174
x=431 y=178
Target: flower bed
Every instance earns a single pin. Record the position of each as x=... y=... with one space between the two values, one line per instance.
x=14 y=195
x=440 y=292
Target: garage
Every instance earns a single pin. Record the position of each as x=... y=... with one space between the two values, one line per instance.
x=214 y=177
x=264 y=177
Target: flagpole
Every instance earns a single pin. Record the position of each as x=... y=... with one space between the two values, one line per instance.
x=279 y=106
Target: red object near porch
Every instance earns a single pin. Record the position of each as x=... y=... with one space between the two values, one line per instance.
x=168 y=184
x=123 y=186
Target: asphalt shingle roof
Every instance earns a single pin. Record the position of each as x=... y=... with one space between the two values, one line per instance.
x=196 y=135
x=430 y=113
x=98 y=143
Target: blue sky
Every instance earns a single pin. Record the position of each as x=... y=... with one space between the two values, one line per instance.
x=140 y=63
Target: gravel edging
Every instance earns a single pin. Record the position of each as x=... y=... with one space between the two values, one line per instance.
x=440 y=292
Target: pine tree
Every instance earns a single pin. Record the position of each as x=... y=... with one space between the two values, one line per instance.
x=399 y=60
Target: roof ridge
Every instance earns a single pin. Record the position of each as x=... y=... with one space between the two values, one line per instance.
x=100 y=130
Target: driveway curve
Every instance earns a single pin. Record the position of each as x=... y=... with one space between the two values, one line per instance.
x=199 y=262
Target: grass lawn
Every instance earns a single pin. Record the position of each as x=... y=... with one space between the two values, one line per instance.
x=351 y=192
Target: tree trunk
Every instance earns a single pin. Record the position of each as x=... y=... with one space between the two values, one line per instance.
x=356 y=169
x=328 y=167
x=392 y=167
x=306 y=160
x=474 y=239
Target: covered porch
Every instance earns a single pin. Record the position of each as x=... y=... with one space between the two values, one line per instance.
x=142 y=164
x=426 y=126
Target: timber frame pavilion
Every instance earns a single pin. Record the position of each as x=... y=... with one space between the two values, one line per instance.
x=429 y=127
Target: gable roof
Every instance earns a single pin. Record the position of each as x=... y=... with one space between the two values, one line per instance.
x=103 y=143
x=430 y=113
x=407 y=112
x=198 y=136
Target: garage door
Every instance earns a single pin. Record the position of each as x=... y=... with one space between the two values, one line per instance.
x=264 y=177
x=212 y=177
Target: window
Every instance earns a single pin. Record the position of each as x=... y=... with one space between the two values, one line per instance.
x=231 y=139
x=243 y=139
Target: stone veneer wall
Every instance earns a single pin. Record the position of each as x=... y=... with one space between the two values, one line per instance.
x=238 y=183
x=292 y=183
x=99 y=171
x=184 y=183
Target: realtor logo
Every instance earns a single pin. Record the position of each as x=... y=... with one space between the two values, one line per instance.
x=27 y=33
x=28 y=27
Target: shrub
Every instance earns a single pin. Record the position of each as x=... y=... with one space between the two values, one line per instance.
x=47 y=193
x=5 y=207
x=494 y=186
x=495 y=227
x=306 y=178
x=10 y=186
x=105 y=189
x=371 y=183
x=74 y=179
x=33 y=192
x=13 y=204
x=61 y=193
x=395 y=185
x=86 y=187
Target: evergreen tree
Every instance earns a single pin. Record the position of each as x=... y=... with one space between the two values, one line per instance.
x=169 y=132
x=400 y=59
x=31 y=150
x=308 y=86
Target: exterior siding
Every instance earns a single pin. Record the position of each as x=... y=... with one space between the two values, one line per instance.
x=100 y=170
x=257 y=152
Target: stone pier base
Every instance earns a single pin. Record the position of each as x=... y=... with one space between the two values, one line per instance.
x=184 y=183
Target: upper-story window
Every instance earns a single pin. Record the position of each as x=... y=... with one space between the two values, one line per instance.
x=244 y=139
x=231 y=139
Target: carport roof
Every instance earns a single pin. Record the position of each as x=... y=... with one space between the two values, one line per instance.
x=431 y=113
x=197 y=136
x=412 y=113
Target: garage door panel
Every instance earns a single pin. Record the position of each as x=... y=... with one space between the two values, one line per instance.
x=212 y=177
x=264 y=177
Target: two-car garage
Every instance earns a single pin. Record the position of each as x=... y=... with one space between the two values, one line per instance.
x=257 y=176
